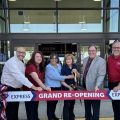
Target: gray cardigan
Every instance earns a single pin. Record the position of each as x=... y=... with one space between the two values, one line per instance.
x=96 y=73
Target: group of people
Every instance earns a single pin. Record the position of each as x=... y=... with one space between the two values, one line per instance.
x=53 y=77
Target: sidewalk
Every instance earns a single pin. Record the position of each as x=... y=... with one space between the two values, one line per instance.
x=100 y=119
x=106 y=112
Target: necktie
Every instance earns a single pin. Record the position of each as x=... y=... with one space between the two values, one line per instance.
x=22 y=61
x=86 y=71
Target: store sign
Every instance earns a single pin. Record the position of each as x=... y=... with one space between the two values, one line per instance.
x=114 y=95
x=62 y=95
x=57 y=48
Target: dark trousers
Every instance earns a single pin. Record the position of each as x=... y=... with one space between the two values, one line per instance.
x=32 y=110
x=115 y=103
x=12 y=107
x=68 y=109
x=51 y=106
x=93 y=105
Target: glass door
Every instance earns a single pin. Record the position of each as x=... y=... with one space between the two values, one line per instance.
x=61 y=49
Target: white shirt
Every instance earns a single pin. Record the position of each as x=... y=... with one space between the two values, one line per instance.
x=14 y=74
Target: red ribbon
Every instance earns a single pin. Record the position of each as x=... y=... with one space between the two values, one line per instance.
x=3 y=96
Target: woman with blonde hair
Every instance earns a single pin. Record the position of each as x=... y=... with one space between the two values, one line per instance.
x=69 y=68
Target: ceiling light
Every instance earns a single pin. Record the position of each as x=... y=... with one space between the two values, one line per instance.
x=26 y=27
x=96 y=0
x=81 y=22
x=26 y=22
x=74 y=43
x=12 y=0
x=83 y=29
x=57 y=0
x=26 y=19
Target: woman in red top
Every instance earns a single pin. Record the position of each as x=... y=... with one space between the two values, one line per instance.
x=35 y=73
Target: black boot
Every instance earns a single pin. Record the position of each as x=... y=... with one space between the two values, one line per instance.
x=55 y=118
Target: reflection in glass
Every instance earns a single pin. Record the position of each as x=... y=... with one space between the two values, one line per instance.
x=80 y=4
x=83 y=22
x=32 y=4
x=114 y=3
x=44 y=21
x=33 y=21
x=3 y=50
x=1 y=13
x=2 y=26
x=80 y=21
x=112 y=20
x=52 y=4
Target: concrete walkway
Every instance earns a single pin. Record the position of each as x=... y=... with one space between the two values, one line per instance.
x=106 y=112
x=100 y=119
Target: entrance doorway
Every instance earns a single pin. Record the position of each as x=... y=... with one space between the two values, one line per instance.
x=60 y=48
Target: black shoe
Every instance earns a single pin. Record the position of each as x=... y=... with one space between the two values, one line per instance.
x=88 y=119
x=55 y=118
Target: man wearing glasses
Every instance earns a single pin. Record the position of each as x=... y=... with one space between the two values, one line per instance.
x=113 y=69
x=13 y=76
x=94 y=70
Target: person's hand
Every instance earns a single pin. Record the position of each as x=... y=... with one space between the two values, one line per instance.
x=96 y=88
x=48 y=89
x=70 y=77
x=115 y=89
x=70 y=88
x=38 y=88
x=74 y=71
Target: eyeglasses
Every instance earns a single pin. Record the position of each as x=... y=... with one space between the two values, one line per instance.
x=54 y=58
x=91 y=50
x=20 y=52
x=115 y=47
